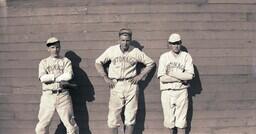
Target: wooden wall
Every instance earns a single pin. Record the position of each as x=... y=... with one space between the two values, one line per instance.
x=219 y=34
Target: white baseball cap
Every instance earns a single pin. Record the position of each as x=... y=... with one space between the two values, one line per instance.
x=51 y=40
x=174 y=37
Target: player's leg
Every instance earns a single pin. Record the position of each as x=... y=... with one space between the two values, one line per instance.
x=114 y=130
x=65 y=110
x=129 y=129
x=46 y=112
x=171 y=130
x=181 y=111
x=181 y=131
x=131 y=106
x=115 y=108
x=168 y=108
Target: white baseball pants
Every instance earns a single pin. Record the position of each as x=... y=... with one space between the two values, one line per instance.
x=124 y=94
x=63 y=104
x=175 y=107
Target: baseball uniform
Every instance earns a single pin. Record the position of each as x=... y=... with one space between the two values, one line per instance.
x=121 y=69
x=52 y=71
x=174 y=96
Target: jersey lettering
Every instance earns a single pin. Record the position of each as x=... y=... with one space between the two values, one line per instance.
x=55 y=68
x=124 y=59
x=175 y=65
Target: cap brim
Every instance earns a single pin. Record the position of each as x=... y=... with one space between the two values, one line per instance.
x=52 y=43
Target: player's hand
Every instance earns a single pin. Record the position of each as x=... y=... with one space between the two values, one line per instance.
x=110 y=83
x=169 y=71
x=136 y=79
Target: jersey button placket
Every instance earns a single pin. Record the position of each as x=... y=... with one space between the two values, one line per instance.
x=122 y=68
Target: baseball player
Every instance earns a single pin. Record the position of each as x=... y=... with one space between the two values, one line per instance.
x=52 y=72
x=175 y=69
x=122 y=79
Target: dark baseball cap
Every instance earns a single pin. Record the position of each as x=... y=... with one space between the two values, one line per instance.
x=126 y=31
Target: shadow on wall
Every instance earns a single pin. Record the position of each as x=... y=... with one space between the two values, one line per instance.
x=141 y=113
x=194 y=89
x=84 y=92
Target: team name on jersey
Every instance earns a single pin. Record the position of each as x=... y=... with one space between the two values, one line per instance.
x=177 y=65
x=122 y=59
x=55 y=68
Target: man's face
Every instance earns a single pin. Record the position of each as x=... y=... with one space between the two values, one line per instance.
x=175 y=46
x=54 y=49
x=124 y=41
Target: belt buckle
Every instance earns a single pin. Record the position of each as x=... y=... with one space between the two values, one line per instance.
x=56 y=91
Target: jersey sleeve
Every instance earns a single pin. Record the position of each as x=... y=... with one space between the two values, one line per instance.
x=68 y=68
x=104 y=57
x=43 y=76
x=161 y=67
x=67 y=73
x=189 y=67
x=41 y=69
x=143 y=58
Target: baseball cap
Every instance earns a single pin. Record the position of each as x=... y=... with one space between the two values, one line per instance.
x=51 y=40
x=174 y=37
x=125 y=31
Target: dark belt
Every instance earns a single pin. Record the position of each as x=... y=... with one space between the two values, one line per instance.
x=123 y=79
x=58 y=91
x=176 y=89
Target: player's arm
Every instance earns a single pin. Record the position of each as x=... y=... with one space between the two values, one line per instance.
x=187 y=73
x=68 y=73
x=168 y=79
x=148 y=62
x=43 y=76
x=181 y=75
x=47 y=78
x=100 y=69
x=99 y=62
x=146 y=70
x=161 y=72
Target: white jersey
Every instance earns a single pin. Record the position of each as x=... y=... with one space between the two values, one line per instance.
x=55 y=66
x=123 y=65
x=180 y=63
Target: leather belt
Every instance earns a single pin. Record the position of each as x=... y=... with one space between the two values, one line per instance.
x=58 y=91
x=176 y=89
x=122 y=79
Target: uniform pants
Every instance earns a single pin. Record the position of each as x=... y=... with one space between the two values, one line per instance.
x=124 y=94
x=175 y=107
x=63 y=104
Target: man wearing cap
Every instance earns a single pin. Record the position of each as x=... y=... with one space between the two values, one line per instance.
x=175 y=69
x=122 y=80
x=54 y=70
